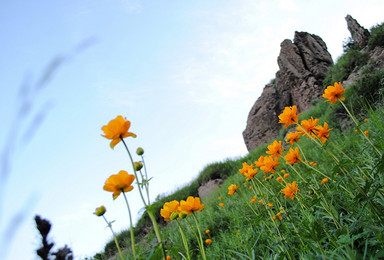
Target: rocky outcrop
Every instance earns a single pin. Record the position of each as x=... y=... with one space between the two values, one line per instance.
x=206 y=189
x=303 y=65
x=359 y=34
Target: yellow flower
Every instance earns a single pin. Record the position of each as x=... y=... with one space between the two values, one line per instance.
x=334 y=93
x=270 y=164
x=289 y=116
x=275 y=149
x=208 y=241
x=118 y=183
x=191 y=205
x=290 y=190
x=168 y=209
x=323 y=132
x=293 y=156
x=116 y=130
x=260 y=161
x=221 y=204
x=309 y=126
x=248 y=171
x=100 y=211
x=293 y=137
x=324 y=180
x=313 y=163
x=232 y=189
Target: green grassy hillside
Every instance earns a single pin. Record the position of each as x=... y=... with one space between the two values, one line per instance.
x=336 y=211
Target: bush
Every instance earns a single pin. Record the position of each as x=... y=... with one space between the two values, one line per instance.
x=352 y=59
x=377 y=36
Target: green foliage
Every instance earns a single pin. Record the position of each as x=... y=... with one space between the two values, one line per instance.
x=377 y=36
x=352 y=59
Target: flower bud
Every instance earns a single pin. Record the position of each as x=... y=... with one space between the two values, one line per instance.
x=310 y=192
x=183 y=214
x=138 y=166
x=100 y=211
x=174 y=215
x=140 y=151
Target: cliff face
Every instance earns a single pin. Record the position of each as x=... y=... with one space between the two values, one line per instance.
x=303 y=65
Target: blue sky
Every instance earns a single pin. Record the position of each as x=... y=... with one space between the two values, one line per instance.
x=185 y=73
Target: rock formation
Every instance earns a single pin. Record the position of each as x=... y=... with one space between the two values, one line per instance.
x=359 y=34
x=206 y=189
x=303 y=65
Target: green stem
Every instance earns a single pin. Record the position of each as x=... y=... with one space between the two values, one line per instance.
x=157 y=230
x=361 y=131
x=184 y=239
x=134 y=171
x=115 y=238
x=131 y=228
x=201 y=238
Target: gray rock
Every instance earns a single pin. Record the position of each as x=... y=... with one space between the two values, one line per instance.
x=359 y=34
x=303 y=64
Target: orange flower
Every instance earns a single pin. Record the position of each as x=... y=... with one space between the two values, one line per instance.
x=260 y=161
x=279 y=216
x=293 y=137
x=191 y=205
x=270 y=164
x=168 y=257
x=221 y=204
x=286 y=175
x=334 y=93
x=366 y=132
x=324 y=180
x=116 y=130
x=290 y=190
x=293 y=156
x=208 y=241
x=118 y=183
x=207 y=231
x=219 y=198
x=279 y=179
x=365 y=119
x=168 y=210
x=232 y=189
x=253 y=200
x=323 y=132
x=248 y=171
x=313 y=164
x=270 y=205
x=260 y=201
x=289 y=116
x=309 y=126
x=275 y=149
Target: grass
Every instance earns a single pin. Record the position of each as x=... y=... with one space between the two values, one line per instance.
x=339 y=219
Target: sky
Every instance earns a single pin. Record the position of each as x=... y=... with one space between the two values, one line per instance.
x=185 y=73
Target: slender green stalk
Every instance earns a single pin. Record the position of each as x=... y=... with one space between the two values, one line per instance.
x=114 y=238
x=199 y=242
x=131 y=228
x=134 y=171
x=201 y=238
x=147 y=204
x=361 y=131
x=184 y=239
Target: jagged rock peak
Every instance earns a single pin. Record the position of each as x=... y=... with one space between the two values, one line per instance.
x=303 y=64
x=359 y=34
